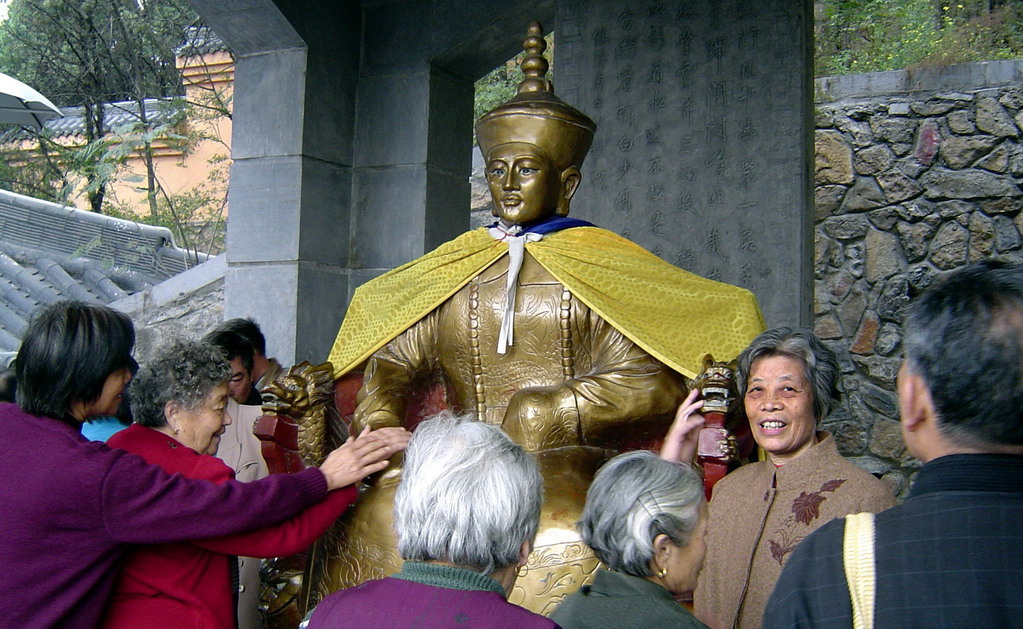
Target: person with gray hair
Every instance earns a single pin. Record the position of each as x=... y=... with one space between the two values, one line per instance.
x=178 y=401
x=950 y=555
x=465 y=513
x=759 y=513
x=645 y=519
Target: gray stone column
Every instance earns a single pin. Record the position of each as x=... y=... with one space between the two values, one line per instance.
x=290 y=189
x=704 y=127
x=414 y=121
x=412 y=149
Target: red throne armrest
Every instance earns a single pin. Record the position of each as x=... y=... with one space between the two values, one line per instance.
x=278 y=433
x=278 y=441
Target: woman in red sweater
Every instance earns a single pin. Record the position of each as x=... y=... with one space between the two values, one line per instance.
x=178 y=405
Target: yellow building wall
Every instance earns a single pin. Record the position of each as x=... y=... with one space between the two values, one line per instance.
x=208 y=81
x=210 y=76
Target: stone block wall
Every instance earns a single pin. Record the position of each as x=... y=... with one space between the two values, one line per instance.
x=185 y=306
x=910 y=181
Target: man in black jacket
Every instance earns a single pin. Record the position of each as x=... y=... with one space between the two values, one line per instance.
x=950 y=556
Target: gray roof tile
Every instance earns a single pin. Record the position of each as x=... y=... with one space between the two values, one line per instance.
x=200 y=40
x=72 y=123
x=50 y=252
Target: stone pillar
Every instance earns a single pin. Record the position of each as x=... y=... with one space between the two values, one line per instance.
x=414 y=130
x=290 y=189
x=704 y=128
x=412 y=143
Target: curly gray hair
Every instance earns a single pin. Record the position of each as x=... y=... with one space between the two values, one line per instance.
x=183 y=372
x=635 y=497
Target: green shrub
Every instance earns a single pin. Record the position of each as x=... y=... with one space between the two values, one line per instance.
x=853 y=36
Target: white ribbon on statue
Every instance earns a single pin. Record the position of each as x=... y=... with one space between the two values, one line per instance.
x=516 y=252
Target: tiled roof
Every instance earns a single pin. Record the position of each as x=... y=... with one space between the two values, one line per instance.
x=200 y=40
x=157 y=110
x=50 y=252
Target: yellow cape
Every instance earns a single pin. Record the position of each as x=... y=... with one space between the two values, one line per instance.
x=674 y=315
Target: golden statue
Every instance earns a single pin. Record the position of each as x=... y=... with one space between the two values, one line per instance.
x=299 y=411
x=573 y=339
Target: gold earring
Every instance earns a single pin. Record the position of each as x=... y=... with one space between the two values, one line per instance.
x=663 y=573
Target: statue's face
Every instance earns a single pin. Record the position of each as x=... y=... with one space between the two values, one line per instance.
x=524 y=184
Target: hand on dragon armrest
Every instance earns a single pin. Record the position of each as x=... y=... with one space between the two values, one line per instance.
x=363 y=455
x=682 y=438
x=688 y=434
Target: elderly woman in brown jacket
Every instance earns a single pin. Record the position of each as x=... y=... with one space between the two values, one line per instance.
x=761 y=511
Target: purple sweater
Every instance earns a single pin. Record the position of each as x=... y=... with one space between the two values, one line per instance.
x=426 y=595
x=70 y=508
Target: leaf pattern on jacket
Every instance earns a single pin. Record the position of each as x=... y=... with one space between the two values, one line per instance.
x=805 y=509
x=806 y=506
x=778 y=551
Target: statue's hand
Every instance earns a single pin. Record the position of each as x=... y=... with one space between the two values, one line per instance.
x=540 y=418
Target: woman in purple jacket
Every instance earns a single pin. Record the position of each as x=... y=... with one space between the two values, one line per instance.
x=466 y=512
x=72 y=507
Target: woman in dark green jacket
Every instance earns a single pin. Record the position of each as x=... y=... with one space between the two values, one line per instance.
x=645 y=519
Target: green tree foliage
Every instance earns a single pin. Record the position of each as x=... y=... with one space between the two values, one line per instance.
x=854 y=36
x=197 y=215
x=496 y=87
x=98 y=51
x=43 y=174
x=89 y=52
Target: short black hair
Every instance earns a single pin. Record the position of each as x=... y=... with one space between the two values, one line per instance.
x=248 y=329
x=964 y=337
x=233 y=345
x=68 y=351
x=8 y=384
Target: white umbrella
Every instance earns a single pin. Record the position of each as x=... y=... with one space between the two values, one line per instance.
x=20 y=104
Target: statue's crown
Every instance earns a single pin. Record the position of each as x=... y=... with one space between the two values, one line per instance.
x=535 y=115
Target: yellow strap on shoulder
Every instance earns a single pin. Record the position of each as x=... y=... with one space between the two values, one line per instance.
x=858 y=558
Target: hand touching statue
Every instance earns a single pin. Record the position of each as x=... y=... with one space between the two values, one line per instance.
x=682 y=438
x=363 y=455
